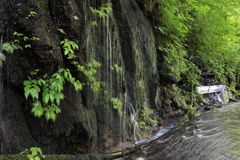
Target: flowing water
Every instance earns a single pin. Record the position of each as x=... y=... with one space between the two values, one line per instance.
x=168 y=124
x=215 y=135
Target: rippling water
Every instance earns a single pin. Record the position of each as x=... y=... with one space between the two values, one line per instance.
x=215 y=135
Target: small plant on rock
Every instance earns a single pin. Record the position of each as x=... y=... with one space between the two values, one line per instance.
x=34 y=153
x=117 y=104
x=147 y=118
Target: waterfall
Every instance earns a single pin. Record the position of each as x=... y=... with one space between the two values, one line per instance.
x=134 y=121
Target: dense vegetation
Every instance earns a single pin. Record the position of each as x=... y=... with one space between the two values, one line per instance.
x=193 y=30
x=197 y=38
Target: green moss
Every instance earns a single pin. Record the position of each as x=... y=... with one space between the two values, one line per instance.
x=55 y=157
x=88 y=117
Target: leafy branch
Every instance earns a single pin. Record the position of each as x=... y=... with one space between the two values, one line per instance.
x=47 y=92
x=69 y=47
x=117 y=104
x=34 y=153
x=102 y=11
x=10 y=47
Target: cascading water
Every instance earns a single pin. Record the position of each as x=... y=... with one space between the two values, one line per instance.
x=106 y=51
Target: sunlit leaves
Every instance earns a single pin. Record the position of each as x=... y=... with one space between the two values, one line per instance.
x=215 y=35
x=10 y=47
x=89 y=72
x=49 y=90
x=2 y=58
x=34 y=153
x=102 y=11
x=31 y=14
x=37 y=109
x=61 y=31
x=69 y=47
x=117 y=104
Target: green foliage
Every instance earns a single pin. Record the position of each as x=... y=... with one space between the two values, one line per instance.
x=94 y=23
x=147 y=118
x=34 y=153
x=171 y=28
x=214 y=36
x=61 y=31
x=89 y=70
x=10 y=47
x=191 y=113
x=69 y=47
x=116 y=68
x=49 y=90
x=187 y=101
x=207 y=30
x=102 y=11
x=47 y=93
x=190 y=74
x=31 y=14
x=183 y=120
x=117 y=104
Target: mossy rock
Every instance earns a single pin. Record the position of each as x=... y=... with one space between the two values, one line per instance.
x=55 y=157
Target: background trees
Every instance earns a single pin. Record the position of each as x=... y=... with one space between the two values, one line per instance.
x=194 y=35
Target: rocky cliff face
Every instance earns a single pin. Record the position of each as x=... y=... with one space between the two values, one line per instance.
x=88 y=122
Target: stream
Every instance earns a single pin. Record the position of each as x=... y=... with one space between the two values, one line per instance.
x=214 y=135
x=168 y=124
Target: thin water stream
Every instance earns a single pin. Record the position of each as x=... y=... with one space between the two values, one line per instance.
x=169 y=123
x=215 y=135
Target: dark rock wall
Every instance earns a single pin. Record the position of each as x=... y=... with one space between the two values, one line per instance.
x=88 y=122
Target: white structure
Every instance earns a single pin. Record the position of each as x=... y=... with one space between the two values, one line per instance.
x=210 y=89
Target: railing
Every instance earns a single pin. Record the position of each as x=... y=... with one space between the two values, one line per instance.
x=210 y=89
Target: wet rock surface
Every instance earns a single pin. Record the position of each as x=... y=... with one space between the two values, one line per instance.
x=212 y=136
x=88 y=122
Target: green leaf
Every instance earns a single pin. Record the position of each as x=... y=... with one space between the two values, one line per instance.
x=61 y=96
x=39 y=82
x=51 y=96
x=2 y=56
x=66 y=51
x=37 y=104
x=53 y=116
x=57 y=110
x=37 y=88
x=27 y=82
x=57 y=97
x=26 y=93
x=47 y=115
x=37 y=111
x=61 y=30
x=37 y=158
x=27 y=46
x=25 y=38
x=34 y=81
x=45 y=97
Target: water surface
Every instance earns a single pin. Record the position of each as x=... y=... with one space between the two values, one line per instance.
x=215 y=135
